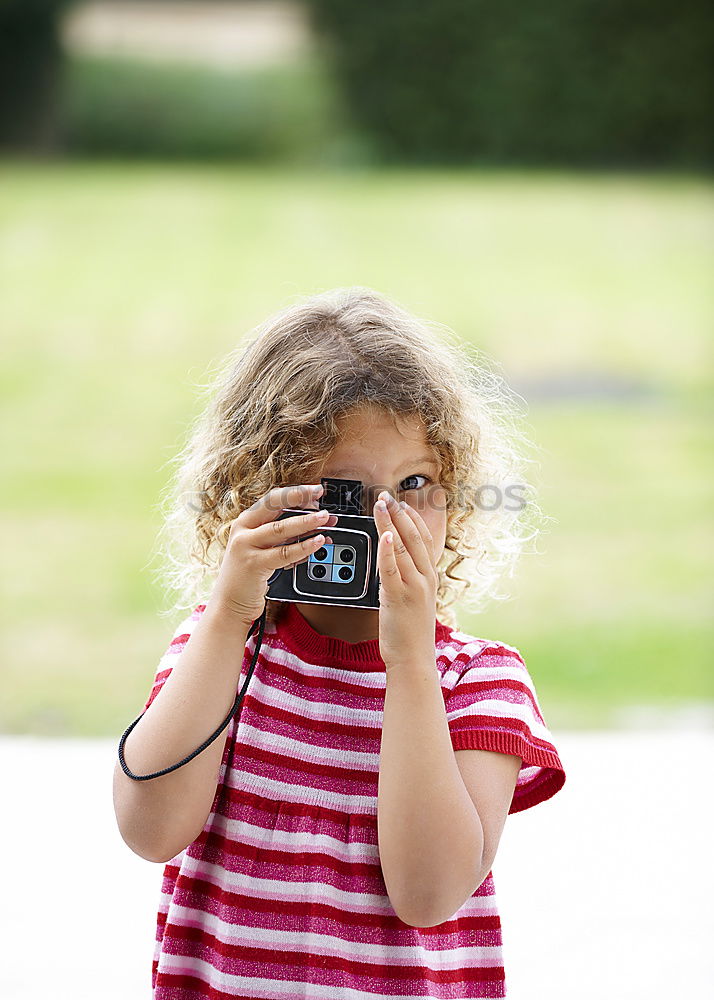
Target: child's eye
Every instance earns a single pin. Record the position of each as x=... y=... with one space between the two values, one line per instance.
x=410 y=478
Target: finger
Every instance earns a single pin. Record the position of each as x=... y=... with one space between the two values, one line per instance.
x=288 y=555
x=409 y=538
x=327 y=541
x=289 y=528
x=389 y=576
x=404 y=561
x=275 y=501
x=423 y=529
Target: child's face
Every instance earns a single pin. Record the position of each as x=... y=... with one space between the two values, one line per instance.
x=385 y=457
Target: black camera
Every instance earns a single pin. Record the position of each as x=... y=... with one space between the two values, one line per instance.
x=343 y=572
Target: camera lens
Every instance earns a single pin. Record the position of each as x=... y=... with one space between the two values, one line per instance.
x=320 y=554
x=318 y=571
x=346 y=555
x=345 y=573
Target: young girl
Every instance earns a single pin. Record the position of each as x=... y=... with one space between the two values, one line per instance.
x=337 y=840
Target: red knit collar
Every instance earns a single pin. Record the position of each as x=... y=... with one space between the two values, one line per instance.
x=309 y=644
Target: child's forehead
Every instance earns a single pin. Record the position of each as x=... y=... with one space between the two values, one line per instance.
x=382 y=445
x=371 y=419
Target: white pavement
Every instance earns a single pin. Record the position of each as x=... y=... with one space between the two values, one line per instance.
x=606 y=892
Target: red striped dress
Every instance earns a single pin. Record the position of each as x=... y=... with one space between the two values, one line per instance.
x=281 y=896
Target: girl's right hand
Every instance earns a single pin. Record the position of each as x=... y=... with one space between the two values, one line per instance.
x=258 y=544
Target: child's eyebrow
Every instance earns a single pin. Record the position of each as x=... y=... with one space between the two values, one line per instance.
x=419 y=460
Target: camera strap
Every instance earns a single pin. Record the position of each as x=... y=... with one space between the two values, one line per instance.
x=260 y=623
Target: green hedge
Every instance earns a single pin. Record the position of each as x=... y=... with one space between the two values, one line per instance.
x=135 y=108
x=562 y=82
x=574 y=82
x=30 y=73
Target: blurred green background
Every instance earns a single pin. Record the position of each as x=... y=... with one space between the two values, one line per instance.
x=140 y=239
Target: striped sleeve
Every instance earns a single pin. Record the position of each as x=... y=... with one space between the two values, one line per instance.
x=494 y=706
x=175 y=648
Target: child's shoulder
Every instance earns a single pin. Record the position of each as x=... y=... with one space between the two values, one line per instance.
x=490 y=664
x=463 y=644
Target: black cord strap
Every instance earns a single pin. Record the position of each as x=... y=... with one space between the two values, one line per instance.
x=260 y=622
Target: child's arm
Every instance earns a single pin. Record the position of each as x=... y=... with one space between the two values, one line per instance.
x=439 y=819
x=160 y=817
x=435 y=847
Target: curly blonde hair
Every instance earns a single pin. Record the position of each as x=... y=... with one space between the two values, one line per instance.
x=271 y=417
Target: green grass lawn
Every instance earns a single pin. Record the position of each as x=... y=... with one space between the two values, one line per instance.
x=123 y=285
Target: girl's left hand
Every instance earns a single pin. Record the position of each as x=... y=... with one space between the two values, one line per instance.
x=408 y=585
